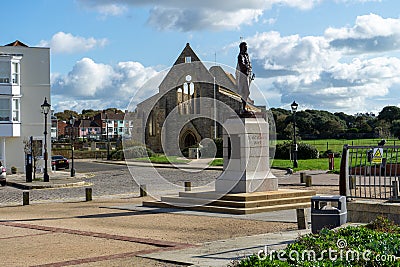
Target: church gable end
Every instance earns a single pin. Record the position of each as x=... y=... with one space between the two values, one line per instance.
x=187 y=56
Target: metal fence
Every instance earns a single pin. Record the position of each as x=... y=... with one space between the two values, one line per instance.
x=370 y=172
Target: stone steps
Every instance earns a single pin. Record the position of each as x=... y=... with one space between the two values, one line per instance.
x=255 y=196
x=234 y=204
x=242 y=203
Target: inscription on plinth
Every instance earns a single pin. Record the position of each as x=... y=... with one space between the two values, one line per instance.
x=246 y=157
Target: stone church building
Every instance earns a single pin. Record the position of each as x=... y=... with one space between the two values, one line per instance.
x=191 y=105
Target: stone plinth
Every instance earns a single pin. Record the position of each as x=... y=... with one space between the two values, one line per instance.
x=246 y=157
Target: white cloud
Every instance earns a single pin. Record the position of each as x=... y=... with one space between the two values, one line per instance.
x=366 y=26
x=314 y=72
x=95 y=85
x=371 y=33
x=193 y=15
x=111 y=9
x=62 y=42
x=192 y=19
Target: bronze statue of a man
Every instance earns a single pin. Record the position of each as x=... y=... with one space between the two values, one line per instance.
x=244 y=74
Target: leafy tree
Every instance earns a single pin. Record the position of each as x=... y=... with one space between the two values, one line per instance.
x=395 y=128
x=363 y=125
x=66 y=114
x=349 y=119
x=389 y=114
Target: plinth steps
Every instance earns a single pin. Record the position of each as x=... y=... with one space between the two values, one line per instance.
x=239 y=203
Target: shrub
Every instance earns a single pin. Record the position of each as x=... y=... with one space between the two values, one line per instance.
x=307 y=151
x=377 y=239
x=220 y=147
x=134 y=152
x=118 y=155
x=282 y=150
x=14 y=170
x=304 y=151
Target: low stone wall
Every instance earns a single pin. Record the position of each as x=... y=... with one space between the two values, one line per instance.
x=365 y=211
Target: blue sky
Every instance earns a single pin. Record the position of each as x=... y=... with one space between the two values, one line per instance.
x=339 y=55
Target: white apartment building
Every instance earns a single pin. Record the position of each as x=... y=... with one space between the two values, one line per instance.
x=24 y=83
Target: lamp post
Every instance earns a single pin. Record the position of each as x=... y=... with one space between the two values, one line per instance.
x=45 y=109
x=294 y=106
x=108 y=139
x=72 y=122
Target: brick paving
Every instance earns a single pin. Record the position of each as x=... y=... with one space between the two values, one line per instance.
x=160 y=245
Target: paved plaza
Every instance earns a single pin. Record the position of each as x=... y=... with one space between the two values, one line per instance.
x=59 y=228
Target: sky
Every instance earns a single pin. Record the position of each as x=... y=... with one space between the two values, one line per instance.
x=335 y=55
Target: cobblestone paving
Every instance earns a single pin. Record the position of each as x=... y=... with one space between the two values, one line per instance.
x=110 y=182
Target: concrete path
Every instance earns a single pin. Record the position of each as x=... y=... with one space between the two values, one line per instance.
x=285 y=216
x=88 y=223
x=223 y=252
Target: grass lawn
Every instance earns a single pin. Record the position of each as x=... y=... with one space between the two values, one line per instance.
x=336 y=145
x=304 y=164
x=164 y=159
x=307 y=164
x=217 y=162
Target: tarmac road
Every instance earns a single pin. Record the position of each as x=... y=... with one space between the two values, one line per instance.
x=108 y=181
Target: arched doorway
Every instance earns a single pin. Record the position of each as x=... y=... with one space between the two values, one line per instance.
x=190 y=140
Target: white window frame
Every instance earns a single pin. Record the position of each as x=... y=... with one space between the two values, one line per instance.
x=16 y=110
x=12 y=109
x=16 y=72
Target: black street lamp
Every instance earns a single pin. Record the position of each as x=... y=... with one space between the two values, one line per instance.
x=72 y=122
x=108 y=139
x=294 y=106
x=45 y=109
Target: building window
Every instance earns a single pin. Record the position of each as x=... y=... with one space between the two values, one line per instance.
x=15 y=109
x=188 y=59
x=152 y=125
x=4 y=72
x=4 y=109
x=15 y=72
x=186 y=98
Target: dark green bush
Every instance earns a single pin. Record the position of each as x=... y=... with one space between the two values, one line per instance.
x=282 y=150
x=371 y=242
x=117 y=155
x=132 y=152
x=304 y=151
x=220 y=146
x=307 y=151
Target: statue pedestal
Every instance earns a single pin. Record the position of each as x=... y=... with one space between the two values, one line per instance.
x=246 y=157
x=246 y=185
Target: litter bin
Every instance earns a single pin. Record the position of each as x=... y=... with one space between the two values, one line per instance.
x=327 y=212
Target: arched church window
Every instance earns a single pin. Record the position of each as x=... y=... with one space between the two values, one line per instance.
x=179 y=100
x=186 y=97
x=152 y=124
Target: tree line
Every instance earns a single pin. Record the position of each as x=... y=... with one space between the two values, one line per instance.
x=85 y=114
x=320 y=124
